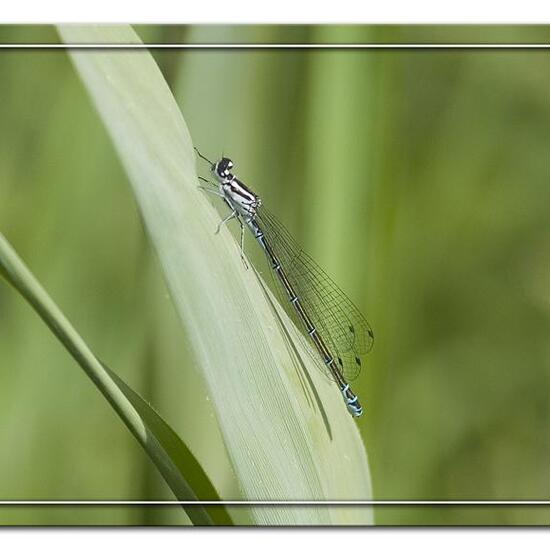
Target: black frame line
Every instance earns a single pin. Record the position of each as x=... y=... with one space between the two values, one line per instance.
x=289 y=46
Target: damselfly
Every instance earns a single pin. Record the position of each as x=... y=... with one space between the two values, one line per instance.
x=339 y=332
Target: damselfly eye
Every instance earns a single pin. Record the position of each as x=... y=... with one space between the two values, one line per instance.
x=223 y=167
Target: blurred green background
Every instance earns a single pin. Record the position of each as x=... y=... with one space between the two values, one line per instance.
x=420 y=179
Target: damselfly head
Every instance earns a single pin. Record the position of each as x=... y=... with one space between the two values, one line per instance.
x=222 y=169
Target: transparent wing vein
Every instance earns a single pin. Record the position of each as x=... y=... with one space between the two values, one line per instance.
x=344 y=329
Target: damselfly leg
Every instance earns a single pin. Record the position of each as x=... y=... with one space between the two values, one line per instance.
x=225 y=220
x=234 y=214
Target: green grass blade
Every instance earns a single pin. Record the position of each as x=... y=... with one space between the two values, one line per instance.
x=179 y=453
x=170 y=455
x=285 y=426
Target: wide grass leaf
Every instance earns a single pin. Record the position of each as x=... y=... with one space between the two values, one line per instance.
x=286 y=428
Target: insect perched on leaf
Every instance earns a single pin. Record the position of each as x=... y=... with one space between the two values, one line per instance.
x=339 y=332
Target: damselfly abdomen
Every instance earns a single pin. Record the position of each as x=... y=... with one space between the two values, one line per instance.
x=339 y=332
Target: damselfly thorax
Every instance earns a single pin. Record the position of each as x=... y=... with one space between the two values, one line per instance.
x=237 y=195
